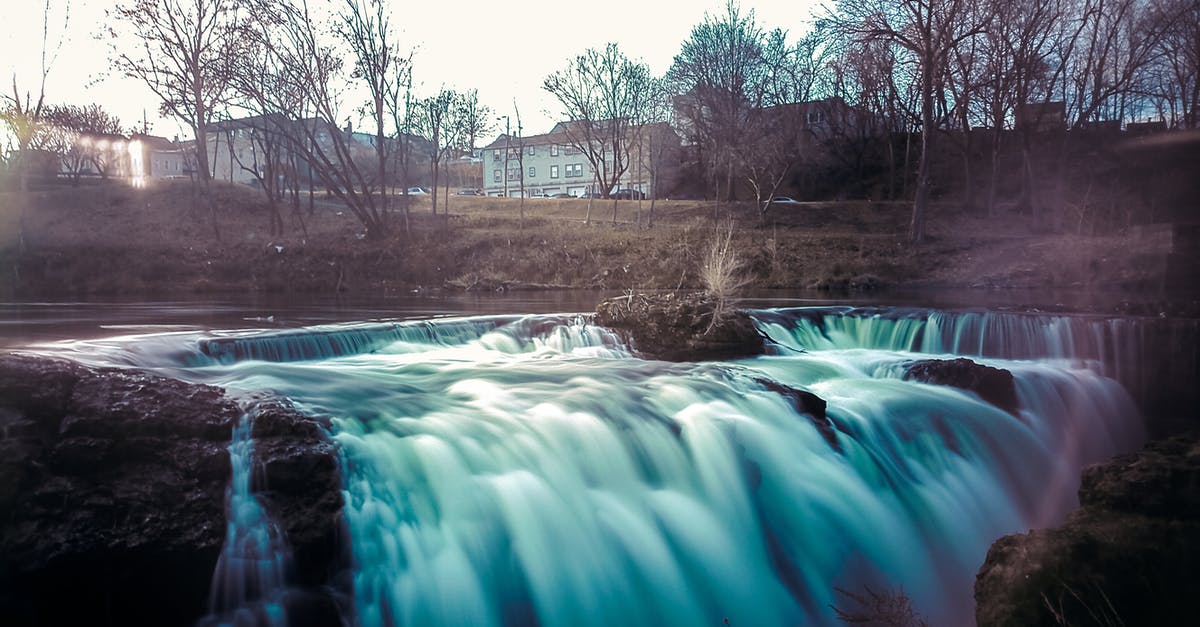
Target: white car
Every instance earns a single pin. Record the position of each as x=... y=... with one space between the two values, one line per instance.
x=784 y=200
x=417 y=191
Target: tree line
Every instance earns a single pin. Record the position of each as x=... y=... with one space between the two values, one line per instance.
x=753 y=104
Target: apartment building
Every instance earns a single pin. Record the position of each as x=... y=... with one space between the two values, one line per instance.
x=549 y=164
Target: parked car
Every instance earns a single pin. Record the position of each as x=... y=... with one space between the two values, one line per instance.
x=469 y=192
x=417 y=191
x=628 y=194
x=784 y=200
x=561 y=195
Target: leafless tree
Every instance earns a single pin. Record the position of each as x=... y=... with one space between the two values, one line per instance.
x=23 y=113
x=1177 y=61
x=601 y=94
x=721 y=79
x=931 y=30
x=437 y=120
x=365 y=27
x=182 y=50
x=72 y=132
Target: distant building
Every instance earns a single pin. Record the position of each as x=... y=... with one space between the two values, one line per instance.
x=553 y=164
x=238 y=149
x=156 y=158
x=1041 y=117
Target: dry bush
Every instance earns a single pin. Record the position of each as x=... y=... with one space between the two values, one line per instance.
x=722 y=273
x=878 y=609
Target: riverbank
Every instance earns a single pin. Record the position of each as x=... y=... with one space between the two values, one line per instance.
x=108 y=239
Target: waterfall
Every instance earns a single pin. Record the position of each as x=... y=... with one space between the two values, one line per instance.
x=528 y=470
x=248 y=585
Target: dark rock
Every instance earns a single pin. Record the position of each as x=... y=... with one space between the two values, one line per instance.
x=680 y=327
x=993 y=385
x=112 y=494
x=1128 y=556
x=810 y=405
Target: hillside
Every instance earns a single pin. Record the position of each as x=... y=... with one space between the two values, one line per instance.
x=109 y=239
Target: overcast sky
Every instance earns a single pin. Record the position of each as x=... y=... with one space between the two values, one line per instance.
x=502 y=48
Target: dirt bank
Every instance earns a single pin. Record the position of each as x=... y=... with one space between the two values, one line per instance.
x=107 y=239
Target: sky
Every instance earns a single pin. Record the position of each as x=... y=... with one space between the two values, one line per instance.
x=503 y=48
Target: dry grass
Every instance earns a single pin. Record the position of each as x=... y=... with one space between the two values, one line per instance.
x=115 y=239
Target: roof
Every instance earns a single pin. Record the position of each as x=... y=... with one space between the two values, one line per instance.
x=560 y=134
x=154 y=142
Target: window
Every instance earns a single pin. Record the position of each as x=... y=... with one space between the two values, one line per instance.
x=553 y=171
x=496 y=153
x=574 y=169
x=529 y=150
x=532 y=172
x=514 y=174
x=496 y=176
x=553 y=151
x=816 y=117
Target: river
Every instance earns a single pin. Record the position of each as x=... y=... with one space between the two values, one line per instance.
x=508 y=463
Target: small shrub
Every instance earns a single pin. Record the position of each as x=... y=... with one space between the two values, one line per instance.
x=878 y=609
x=722 y=273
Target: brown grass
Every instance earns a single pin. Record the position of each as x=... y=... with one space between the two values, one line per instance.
x=110 y=238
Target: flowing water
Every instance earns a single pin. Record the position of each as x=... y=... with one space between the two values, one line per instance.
x=520 y=470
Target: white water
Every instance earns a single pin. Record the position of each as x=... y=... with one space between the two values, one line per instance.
x=249 y=583
x=511 y=471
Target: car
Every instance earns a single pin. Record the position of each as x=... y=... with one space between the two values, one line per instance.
x=784 y=200
x=628 y=194
x=469 y=192
x=561 y=195
x=417 y=191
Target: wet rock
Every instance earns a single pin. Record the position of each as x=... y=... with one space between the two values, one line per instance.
x=1127 y=556
x=993 y=385
x=810 y=405
x=112 y=494
x=680 y=327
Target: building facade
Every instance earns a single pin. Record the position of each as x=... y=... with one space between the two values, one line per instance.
x=549 y=164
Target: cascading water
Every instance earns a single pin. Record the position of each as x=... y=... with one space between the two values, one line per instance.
x=249 y=583
x=516 y=471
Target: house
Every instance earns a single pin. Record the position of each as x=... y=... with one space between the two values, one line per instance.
x=552 y=163
x=243 y=150
x=156 y=158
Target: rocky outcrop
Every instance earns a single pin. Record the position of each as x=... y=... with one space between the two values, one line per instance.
x=1128 y=556
x=112 y=495
x=680 y=327
x=993 y=385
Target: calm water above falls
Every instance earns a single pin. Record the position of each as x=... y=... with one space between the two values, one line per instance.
x=520 y=470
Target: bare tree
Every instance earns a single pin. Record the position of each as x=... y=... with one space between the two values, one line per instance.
x=365 y=27
x=312 y=68
x=602 y=94
x=721 y=81
x=931 y=30
x=437 y=121
x=182 y=50
x=23 y=113
x=72 y=133
x=1178 y=61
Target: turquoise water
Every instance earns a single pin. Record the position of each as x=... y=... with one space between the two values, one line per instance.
x=516 y=470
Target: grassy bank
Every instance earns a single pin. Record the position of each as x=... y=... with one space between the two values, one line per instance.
x=112 y=239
